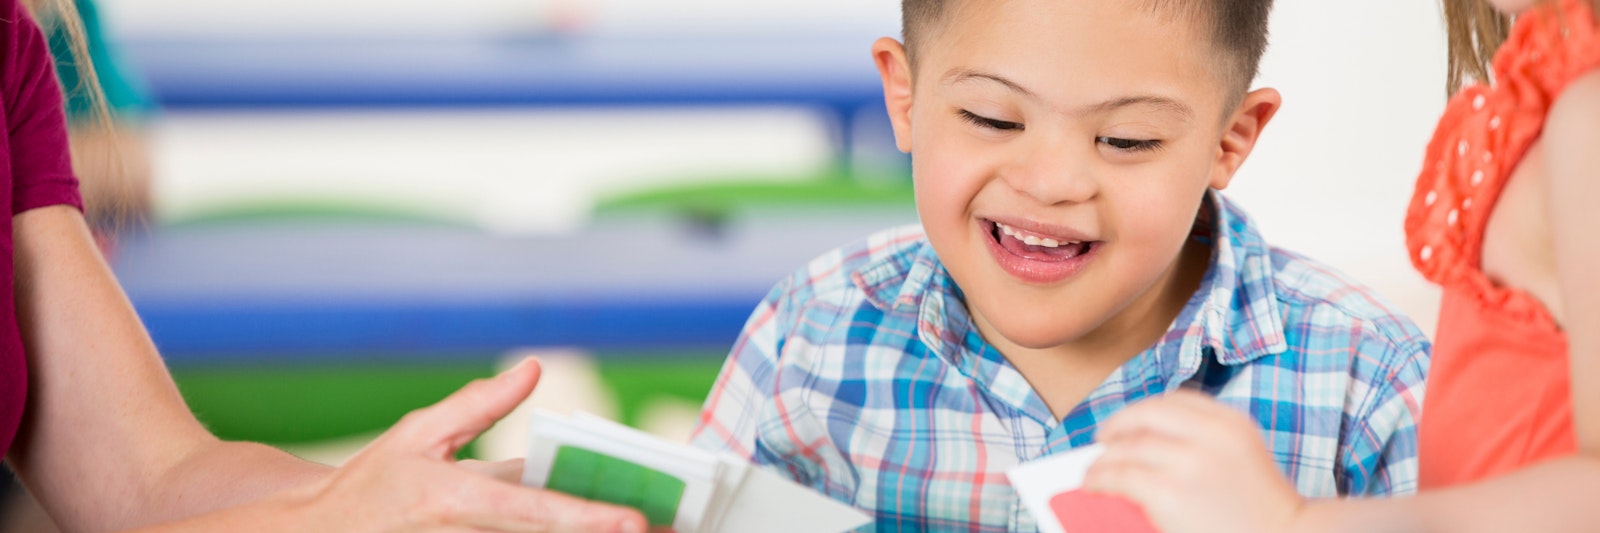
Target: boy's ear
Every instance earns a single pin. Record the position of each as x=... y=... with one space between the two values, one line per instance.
x=1243 y=130
x=895 y=68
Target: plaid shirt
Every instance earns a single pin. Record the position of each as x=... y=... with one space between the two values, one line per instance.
x=863 y=376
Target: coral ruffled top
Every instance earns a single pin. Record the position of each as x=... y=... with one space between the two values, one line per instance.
x=1498 y=391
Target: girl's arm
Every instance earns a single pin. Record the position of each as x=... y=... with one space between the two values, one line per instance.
x=1556 y=495
x=1572 y=151
x=1182 y=462
x=107 y=443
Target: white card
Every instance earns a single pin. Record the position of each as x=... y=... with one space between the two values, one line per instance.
x=1038 y=481
x=722 y=493
x=771 y=504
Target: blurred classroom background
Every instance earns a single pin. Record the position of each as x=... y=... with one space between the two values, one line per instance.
x=358 y=205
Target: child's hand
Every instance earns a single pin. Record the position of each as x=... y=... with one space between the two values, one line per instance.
x=1195 y=466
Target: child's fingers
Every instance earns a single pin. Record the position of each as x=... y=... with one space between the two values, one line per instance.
x=1154 y=416
x=1158 y=417
x=1145 y=486
x=1183 y=415
x=1174 y=458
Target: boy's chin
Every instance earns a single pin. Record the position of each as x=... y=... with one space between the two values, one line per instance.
x=1042 y=341
x=1033 y=332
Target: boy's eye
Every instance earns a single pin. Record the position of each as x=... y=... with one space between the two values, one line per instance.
x=986 y=122
x=1129 y=145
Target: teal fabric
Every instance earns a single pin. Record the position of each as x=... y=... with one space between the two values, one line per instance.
x=126 y=93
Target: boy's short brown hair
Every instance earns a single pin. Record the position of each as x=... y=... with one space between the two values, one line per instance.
x=1238 y=29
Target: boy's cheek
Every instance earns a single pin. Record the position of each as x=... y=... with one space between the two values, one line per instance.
x=940 y=191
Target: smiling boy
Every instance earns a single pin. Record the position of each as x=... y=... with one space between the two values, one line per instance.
x=1074 y=256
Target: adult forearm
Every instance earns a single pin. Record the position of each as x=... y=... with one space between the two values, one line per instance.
x=292 y=510
x=107 y=442
x=223 y=475
x=1555 y=496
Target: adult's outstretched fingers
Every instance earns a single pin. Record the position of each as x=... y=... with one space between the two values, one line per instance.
x=509 y=470
x=552 y=512
x=444 y=427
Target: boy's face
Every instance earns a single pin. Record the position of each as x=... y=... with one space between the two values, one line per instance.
x=1061 y=149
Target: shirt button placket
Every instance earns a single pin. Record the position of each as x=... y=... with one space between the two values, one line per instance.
x=1020 y=519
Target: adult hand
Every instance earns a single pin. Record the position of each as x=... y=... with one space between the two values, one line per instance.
x=408 y=480
x=1195 y=466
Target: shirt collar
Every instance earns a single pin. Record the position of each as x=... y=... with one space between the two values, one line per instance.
x=1241 y=318
x=1238 y=317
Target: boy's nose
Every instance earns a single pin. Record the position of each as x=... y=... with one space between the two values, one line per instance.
x=1051 y=176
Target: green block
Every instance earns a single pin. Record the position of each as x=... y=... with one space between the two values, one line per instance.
x=601 y=477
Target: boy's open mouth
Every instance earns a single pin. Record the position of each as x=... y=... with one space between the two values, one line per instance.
x=1039 y=258
x=1034 y=247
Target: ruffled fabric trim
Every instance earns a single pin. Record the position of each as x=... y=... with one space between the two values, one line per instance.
x=1484 y=133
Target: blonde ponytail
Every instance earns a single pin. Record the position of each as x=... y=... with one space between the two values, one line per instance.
x=111 y=190
x=62 y=16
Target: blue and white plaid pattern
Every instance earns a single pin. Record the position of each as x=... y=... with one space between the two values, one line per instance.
x=862 y=376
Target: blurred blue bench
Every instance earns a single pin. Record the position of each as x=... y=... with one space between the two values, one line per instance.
x=833 y=74
x=287 y=292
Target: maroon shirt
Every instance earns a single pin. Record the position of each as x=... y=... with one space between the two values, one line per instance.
x=37 y=171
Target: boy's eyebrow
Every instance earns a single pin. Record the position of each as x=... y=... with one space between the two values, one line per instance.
x=1160 y=102
x=959 y=75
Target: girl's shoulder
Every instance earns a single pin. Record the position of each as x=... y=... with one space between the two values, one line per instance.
x=1579 y=100
x=1572 y=129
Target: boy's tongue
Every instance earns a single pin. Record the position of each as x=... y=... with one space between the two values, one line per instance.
x=1040 y=253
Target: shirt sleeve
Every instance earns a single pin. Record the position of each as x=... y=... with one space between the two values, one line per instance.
x=730 y=419
x=1381 y=445
x=41 y=160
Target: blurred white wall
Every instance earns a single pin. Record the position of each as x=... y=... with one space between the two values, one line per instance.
x=1361 y=79
x=510 y=171
x=248 y=18
x=1363 y=84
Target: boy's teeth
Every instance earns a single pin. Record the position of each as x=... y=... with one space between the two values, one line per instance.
x=1031 y=240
